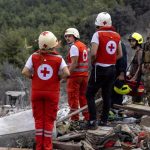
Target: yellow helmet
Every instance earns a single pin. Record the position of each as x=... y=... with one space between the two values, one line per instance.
x=125 y=89
x=136 y=36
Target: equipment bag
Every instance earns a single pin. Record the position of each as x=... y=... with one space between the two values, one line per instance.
x=136 y=91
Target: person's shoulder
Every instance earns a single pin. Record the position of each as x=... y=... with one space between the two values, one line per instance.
x=81 y=43
x=73 y=46
x=117 y=34
x=96 y=33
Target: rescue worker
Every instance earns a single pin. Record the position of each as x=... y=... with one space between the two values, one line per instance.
x=77 y=59
x=146 y=69
x=121 y=66
x=43 y=67
x=105 y=50
x=147 y=44
x=135 y=71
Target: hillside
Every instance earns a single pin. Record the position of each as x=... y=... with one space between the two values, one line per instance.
x=21 y=21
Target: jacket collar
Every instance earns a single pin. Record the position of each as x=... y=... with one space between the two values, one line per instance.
x=54 y=52
x=106 y=28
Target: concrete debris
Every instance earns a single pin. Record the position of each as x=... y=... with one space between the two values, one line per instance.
x=125 y=131
x=145 y=121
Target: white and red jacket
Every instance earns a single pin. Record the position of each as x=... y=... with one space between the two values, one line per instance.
x=108 y=45
x=46 y=67
x=82 y=68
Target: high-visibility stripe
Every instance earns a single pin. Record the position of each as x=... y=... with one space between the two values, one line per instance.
x=80 y=69
x=80 y=64
x=39 y=132
x=46 y=131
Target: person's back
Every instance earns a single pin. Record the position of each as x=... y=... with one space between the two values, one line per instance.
x=47 y=66
x=43 y=68
x=109 y=41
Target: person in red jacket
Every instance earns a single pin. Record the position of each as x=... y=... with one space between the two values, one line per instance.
x=105 y=50
x=77 y=60
x=43 y=67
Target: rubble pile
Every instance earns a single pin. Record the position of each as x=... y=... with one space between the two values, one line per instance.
x=126 y=130
x=120 y=136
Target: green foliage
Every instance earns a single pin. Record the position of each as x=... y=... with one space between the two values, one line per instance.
x=140 y=7
x=123 y=19
x=21 y=21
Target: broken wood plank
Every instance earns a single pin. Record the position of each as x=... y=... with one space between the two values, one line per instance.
x=141 y=109
x=77 y=111
x=67 y=145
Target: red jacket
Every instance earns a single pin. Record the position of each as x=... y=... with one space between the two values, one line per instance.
x=108 y=44
x=46 y=67
x=82 y=68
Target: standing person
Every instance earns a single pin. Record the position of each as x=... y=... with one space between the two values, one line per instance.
x=121 y=66
x=106 y=49
x=146 y=68
x=135 y=71
x=43 y=68
x=147 y=44
x=78 y=66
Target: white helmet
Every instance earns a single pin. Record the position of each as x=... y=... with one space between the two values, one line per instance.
x=72 y=31
x=103 y=19
x=47 y=40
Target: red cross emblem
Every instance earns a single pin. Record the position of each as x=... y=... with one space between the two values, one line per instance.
x=44 y=33
x=85 y=55
x=45 y=72
x=104 y=22
x=44 y=45
x=111 y=47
